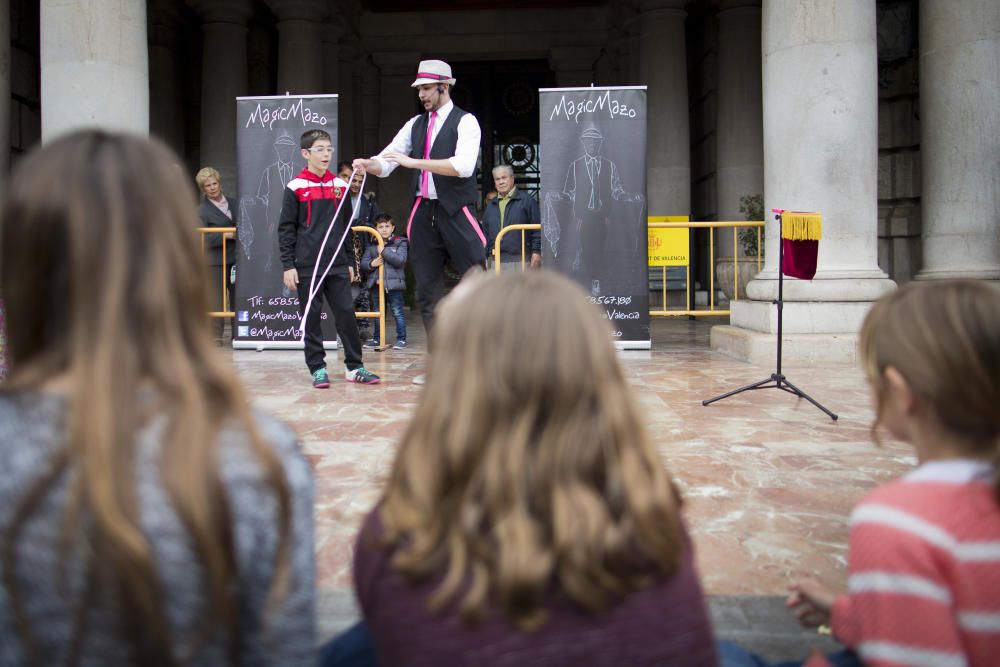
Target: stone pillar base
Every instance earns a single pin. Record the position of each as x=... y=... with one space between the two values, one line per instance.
x=816 y=350
x=800 y=317
x=992 y=275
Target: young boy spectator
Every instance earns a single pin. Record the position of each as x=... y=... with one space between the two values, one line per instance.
x=393 y=255
x=310 y=200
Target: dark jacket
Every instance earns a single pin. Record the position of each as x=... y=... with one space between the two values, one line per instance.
x=453 y=192
x=211 y=216
x=367 y=212
x=522 y=209
x=394 y=258
x=306 y=213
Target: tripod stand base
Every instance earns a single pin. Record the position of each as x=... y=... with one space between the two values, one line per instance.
x=780 y=382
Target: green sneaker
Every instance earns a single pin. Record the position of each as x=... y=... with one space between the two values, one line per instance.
x=362 y=376
x=320 y=379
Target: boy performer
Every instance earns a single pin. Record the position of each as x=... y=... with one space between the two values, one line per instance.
x=310 y=200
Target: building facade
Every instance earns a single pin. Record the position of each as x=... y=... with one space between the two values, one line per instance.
x=883 y=115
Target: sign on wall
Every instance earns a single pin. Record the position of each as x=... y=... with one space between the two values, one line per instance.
x=268 y=131
x=593 y=196
x=669 y=247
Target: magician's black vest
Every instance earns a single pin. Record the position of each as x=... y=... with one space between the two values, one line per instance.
x=453 y=192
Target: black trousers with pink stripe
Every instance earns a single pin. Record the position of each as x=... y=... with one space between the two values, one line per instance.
x=437 y=238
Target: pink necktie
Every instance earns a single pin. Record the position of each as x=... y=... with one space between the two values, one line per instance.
x=427 y=154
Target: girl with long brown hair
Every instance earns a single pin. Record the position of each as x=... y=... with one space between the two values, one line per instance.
x=147 y=515
x=923 y=568
x=528 y=519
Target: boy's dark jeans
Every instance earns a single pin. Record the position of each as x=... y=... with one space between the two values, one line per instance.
x=395 y=302
x=336 y=289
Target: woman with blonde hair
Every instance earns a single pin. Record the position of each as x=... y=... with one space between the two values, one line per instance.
x=147 y=515
x=528 y=519
x=217 y=210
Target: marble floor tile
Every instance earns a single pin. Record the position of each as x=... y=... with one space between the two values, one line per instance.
x=768 y=479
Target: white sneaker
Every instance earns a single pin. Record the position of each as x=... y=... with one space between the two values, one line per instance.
x=420 y=379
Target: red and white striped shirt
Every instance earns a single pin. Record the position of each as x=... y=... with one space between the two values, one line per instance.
x=924 y=571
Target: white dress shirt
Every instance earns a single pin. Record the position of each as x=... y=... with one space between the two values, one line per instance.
x=466 y=150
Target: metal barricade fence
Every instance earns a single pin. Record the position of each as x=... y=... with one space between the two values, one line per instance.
x=227 y=310
x=380 y=313
x=688 y=310
x=226 y=306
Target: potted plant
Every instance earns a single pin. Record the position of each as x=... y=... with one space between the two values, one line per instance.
x=752 y=208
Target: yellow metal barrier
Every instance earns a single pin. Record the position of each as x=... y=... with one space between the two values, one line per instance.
x=720 y=224
x=380 y=314
x=227 y=312
x=688 y=311
x=503 y=232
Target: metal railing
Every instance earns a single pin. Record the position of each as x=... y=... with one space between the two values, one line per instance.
x=688 y=310
x=712 y=311
x=228 y=312
x=205 y=231
x=503 y=232
x=380 y=313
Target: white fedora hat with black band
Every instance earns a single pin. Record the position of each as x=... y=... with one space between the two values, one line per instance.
x=433 y=71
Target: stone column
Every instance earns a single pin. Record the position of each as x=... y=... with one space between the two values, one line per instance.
x=351 y=109
x=166 y=112
x=94 y=65
x=739 y=124
x=223 y=79
x=396 y=105
x=330 y=48
x=663 y=68
x=300 y=45
x=960 y=138
x=370 y=110
x=573 y=65
x=5 y=85
x=820 y=154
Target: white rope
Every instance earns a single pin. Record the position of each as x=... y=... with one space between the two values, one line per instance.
x=314 y=285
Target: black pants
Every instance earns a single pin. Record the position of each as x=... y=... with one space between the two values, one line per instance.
x=336 y=290
x=437 y=238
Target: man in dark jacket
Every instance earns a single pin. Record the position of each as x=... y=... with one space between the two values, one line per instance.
x=512 y=207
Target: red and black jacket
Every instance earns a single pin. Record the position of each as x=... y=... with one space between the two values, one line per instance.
x=306 y=213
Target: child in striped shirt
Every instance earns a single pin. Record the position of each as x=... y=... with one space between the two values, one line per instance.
x=923 y=584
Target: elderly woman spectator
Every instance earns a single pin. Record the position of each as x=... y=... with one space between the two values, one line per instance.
x=216 y=210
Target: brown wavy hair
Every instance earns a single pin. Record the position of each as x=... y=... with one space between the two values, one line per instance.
x=943 y=337
x=106 y=299
x=527 y=471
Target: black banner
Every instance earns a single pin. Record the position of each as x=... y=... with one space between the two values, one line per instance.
x=268 y=156
x=593 y=198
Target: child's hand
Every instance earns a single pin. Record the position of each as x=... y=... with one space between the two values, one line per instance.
x=377 y=262
x=291 y=279
x=811 y=603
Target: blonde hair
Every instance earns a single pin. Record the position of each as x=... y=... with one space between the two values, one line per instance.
x=527 y=468
x=204 y=174
x=944 y=339
x=115 y=247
